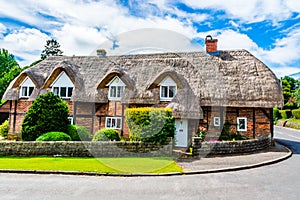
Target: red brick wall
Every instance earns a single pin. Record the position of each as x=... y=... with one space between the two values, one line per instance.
x=260 y=127
x=5 y=107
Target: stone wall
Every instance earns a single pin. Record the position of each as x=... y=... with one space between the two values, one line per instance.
x=230 y=147
x=85 y=149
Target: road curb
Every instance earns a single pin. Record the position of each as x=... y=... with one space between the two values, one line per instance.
x=229 y=169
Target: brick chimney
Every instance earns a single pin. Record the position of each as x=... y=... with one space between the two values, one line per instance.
x=211 y=44
x=101 y=53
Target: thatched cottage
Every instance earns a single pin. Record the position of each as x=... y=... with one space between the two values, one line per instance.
x=207 y=88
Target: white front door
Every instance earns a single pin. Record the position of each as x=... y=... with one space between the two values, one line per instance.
x=181 y=133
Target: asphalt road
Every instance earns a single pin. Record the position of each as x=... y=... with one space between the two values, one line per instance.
x=278 y=181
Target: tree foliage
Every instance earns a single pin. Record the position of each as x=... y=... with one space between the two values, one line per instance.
x=289 y=87
x=52 y=48
x=47 y=113
x=9 y=69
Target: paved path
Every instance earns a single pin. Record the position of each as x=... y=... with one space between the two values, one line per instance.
x=234 y=162
x=278 y=181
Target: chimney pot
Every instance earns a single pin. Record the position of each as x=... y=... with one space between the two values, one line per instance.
x=101 y=53
x=211 y=44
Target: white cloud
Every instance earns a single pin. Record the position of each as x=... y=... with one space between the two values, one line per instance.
x=150 y=41
x=25 y=43
x=250 y=11
x=232 y=40
x=294 y=5
x=286 y=49
x=78 y=40
x=285 y=71
x=2 y=29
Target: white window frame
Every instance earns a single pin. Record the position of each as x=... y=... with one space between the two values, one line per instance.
x=217 y=121
x=119 y=87
x=58 y=86
x=240 y=126
x=59 y=90
x=167 y=83
x=26 y=85
x=71 y=120
x=109 y=122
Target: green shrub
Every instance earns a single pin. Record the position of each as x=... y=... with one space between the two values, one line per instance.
x=285 y=114
x=4 y=128
x=106 y=134
x=154 y=125
x=296 y=113
x=54 y=136
x=276 y=114
x=289 y=106
x=47 y=113
x=78 y=133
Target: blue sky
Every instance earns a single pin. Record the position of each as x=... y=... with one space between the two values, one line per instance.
x=269 y=29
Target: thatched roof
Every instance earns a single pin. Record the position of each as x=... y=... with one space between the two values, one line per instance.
x=234 y=78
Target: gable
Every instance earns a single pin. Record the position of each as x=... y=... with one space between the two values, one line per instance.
x=62 y=80
x=168 y=81
x=116 y=81
x=27 y=82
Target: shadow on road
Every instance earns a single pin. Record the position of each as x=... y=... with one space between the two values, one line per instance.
x=293 y=145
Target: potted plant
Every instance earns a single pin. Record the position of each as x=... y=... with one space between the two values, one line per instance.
x=200 y=133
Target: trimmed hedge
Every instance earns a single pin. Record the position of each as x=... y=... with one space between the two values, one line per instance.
x=78 y=133
x=285 y=114
x=296 y=113
x=155 y=125
x=54 y=136
x=106 y=134
x=4 y=128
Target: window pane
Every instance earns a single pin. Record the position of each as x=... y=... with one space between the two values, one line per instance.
x=172 y=91
x=113 y=91
x=63 y=91
x=24 y=91
x=120 y=91
x=118 y=123
x=164 y=91
x=113 y=123
x=55 y=90
x=30 y=90
x=70 y=91
x=108 y=122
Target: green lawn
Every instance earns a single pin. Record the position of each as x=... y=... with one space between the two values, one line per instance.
x=101 y=165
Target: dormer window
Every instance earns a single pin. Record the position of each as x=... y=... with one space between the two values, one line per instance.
x=168 y=89
x=63 y=86
x=116 y=89
x=26 y=88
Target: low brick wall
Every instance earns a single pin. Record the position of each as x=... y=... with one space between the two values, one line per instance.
x=85 y=149
x=229 y=147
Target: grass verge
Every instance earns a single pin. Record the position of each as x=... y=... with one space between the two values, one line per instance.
x=101 y=165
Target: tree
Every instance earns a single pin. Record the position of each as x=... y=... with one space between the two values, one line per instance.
x=9 y=69
x=297 y=97
x=289 y=86
x=47 y=113
x=52 y=48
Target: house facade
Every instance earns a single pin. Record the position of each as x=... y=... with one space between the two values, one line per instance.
x=214 y=89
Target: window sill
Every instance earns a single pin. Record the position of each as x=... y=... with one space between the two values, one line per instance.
x=114 y=99
x=166 y=99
